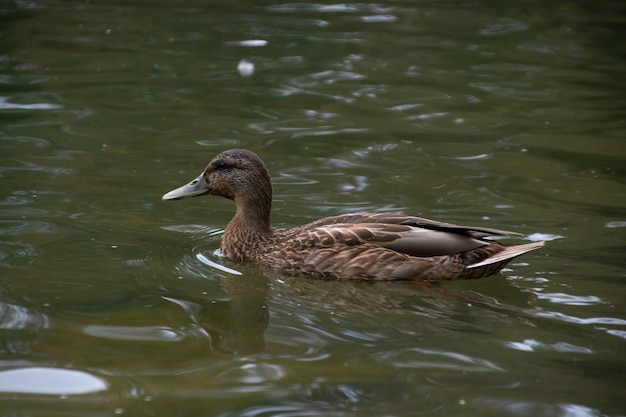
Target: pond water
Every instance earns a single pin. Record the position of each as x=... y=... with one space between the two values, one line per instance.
x=503 y=115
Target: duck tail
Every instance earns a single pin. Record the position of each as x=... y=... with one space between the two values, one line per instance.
x=507 y=254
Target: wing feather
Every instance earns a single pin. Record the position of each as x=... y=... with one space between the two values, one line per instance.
x=409 y=240
x=414 y=236
x=400 y=219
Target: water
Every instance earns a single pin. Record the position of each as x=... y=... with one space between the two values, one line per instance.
x=509 y=116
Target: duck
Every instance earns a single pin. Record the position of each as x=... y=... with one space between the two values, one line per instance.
x=357 y=246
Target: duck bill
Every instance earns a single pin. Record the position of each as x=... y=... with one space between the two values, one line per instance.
x=193 y=189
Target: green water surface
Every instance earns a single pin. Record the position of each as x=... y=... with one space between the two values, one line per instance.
x=500 y=114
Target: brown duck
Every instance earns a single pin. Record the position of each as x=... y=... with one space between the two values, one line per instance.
x=368 y=246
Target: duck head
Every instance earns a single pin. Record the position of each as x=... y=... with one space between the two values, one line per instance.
x=239 y=175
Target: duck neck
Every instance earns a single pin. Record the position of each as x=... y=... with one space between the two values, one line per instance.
x=253 y=216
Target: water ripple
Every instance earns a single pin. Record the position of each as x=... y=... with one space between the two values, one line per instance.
x=382 y=18
x=433 y=359
x=577 y=320
x=19 y=228
x=49 y=381
x=328 y=8
x=615 y=224
x=530 y=345
x=16 y=317
x=11 y=253
x=255 y=373
x=504 y=26
x=6 y=105
x=526 y=408
x=30 y=166
x=135 y=333
x=569 y=299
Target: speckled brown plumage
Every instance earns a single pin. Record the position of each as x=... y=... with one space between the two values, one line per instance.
x=372 y=246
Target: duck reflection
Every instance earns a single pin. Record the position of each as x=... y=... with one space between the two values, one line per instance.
x=236 y=326
x=22 y=323
x=233 y=312
x=234 y=309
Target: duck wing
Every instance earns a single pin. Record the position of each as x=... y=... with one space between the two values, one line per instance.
x=414 y=236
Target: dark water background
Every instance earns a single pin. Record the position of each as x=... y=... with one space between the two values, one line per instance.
x=501 y=114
